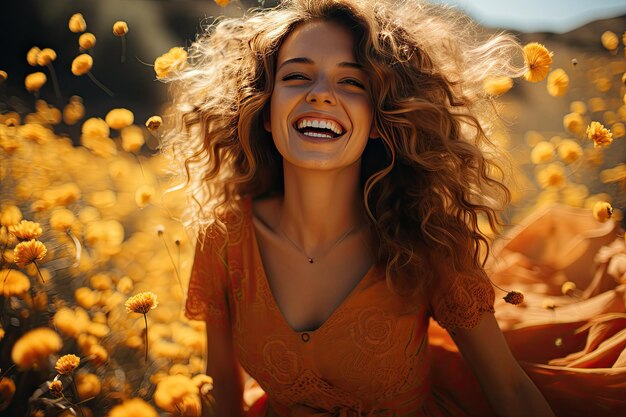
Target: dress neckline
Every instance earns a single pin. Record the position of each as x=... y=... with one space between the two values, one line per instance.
x=250 y=220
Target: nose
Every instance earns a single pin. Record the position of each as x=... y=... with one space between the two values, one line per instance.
x=321 y=92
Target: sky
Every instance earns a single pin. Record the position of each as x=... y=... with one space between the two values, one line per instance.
x=539 y=15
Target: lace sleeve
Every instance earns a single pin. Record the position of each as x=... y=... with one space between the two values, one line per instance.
x=457 y=300
x=207 y=297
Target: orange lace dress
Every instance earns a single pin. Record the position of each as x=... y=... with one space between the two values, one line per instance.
x=370 y=357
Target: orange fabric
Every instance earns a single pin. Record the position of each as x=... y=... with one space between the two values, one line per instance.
x=377 y=356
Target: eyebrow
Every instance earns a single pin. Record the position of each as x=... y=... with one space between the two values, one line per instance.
x=304 y=60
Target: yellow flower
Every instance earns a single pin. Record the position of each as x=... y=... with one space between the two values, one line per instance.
x=568 y=287
x=578 y=107
x=125 y=285
x=553 y=175
x=46 y=56
x=173 y=60
x=600 y=135
x=132 y=138
x=25 y=253
x=542 y=152
x=558 y=83
x=33 y=82
x=56 y=388
x=26 y=230
x=31 y=55
x=133 y=408
x=35 y=347
x=618 y=130
x=602 y=211
x=597 y=104
x=144 y=195
x=177 y=393
x=87 y=40
x=120 y=28
x=7 y=391
x=141 y=303
x=573 y=122
x=73 y=111
x=36 y=132
x=496 y=86
x=95 y=127
x=615 y=174
x=3 y=76
x=119 y=118
x=609 y=40
x=10 y=215
x=82 y=64
x=222 y=3
x=154 y=122
x=98 y=354
x=15 y=283
x=71 y=322
x=77 y=23
x=514 y=297
x=66 y=364
x=569 y=150
x=537 y=60
x=62 y=220
x=88 y=386
x=86 y=298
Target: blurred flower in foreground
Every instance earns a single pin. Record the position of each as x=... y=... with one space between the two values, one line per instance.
x=173 y=60
x=569 y=151
x=600 y=135
x=602 y=211
x=558 y=83
x=573 y=122
x=7 y=390
x=31 y=56
x=35 y=347
x=82 y=64
x=77 y=23
x=33 y=82
x=133 y=408
x=542 y=152
x=132 y=138
x=553 y=175
x=154 y=122
x=496 y=86
x=178 y=393
x=609 y=40
x=222 y=3
x=10 y=215
x=87 y=40
x=143 y=195
x=66 y=364
x=615 y=174
x=73 y=111
x=16 y=284
x=88 y=386
x=119 y=118
x=538 y=60
x=3 y=76
x=46 y=56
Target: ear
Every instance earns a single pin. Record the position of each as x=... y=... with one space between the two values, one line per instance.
x=267 y=123
x=374 y=131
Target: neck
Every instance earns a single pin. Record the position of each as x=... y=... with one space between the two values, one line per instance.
x=320 y=206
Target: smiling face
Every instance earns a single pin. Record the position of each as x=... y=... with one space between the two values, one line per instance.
x=321 y=112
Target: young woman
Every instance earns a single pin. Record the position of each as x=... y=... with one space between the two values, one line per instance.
x=338 y=158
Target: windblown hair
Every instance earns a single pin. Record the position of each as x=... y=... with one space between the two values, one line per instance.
x=426 y=181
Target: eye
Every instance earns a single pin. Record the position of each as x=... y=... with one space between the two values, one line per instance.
x=295 y=76
x=354 y=82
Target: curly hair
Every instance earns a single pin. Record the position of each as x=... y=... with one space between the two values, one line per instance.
x=426 y=181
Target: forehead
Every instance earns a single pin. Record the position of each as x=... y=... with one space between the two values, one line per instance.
x=318 y=37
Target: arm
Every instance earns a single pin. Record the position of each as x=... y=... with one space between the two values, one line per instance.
x=225 y=371
x=505 y=384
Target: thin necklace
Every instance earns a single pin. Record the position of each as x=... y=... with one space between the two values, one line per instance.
x=311 y=259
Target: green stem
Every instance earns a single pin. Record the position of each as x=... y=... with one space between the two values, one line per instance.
x=39 y=271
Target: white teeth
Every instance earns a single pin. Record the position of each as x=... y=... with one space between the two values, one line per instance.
x=320 y=124
x=317 y=135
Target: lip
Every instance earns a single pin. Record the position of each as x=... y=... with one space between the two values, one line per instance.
x=317 y=140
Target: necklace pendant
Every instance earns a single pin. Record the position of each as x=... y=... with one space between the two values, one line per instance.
x=310 y=260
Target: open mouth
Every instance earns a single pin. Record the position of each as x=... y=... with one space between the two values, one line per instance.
x=319 y=128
